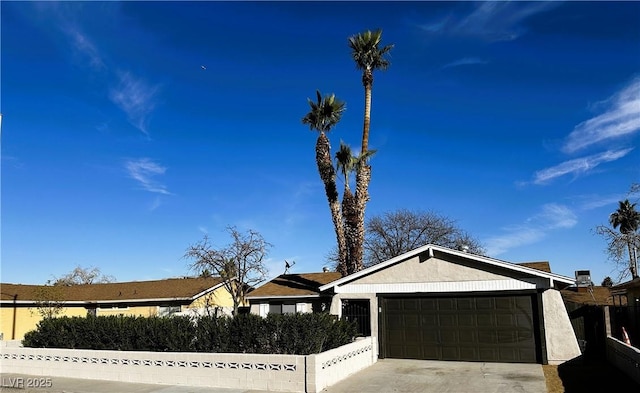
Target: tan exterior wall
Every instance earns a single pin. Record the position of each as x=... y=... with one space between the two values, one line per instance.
x=220 y=297
x=27 y=318
x=138 y=311
x=429 y=270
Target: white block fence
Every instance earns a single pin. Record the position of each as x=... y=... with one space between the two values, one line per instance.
x=624 y=357
x=281 y=373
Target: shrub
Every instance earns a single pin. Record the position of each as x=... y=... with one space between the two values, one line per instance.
x=299 y=334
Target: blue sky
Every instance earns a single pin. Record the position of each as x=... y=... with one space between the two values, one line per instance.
x=518 y=120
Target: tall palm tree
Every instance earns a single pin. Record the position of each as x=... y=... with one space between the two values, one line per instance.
x=368 y=56
x=628 y=219
x=323 y=115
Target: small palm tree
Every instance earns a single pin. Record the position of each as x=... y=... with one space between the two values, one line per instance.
x=628 y=219
x=323 y=115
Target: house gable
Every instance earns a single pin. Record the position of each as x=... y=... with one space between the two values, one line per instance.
x=437 y=269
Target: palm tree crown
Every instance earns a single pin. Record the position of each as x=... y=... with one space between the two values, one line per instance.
x=626 y=217
x=367 y=54
x=325 y=113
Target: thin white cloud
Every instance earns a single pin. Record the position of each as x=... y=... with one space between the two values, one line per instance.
x=83 y=45
x=620 y=116
x=578 y=166
x=551 y=217
x=144 y=171
x=135 y=98
x=490 y=21
x=465 y=61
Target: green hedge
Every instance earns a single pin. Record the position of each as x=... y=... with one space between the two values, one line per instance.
x=299 y=334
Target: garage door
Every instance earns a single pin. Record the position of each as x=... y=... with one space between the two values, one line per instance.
x=480 y=328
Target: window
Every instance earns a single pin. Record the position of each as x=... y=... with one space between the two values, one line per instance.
x=282 y=308
x=168 y=310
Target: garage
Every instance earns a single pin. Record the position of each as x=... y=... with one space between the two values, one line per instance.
x=491 y=328
x=435 y=303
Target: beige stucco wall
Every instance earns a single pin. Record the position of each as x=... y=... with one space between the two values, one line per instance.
x=562 y=344
x=422 y=269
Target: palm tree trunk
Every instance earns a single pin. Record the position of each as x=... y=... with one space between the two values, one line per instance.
x=350 y=215
x=328 y=176
x=367 y=81
x=363 y=177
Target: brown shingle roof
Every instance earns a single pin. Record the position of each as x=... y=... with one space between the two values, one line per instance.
x=601 y=296
x=542 y=265
x=304 y=284
x=134 y=290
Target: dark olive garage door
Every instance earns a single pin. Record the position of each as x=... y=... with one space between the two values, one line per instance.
x=465 y=328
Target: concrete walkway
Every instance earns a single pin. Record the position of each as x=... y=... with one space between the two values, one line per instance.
x=386 y=376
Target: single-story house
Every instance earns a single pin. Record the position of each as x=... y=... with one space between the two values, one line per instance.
x=22 y=306
x=437 y=303
x=290 y=293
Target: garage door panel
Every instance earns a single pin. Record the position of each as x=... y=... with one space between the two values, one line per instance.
x=429 y=321
x=468 y=337
x=446 y=304
x=484 y=304
x=486 y=320
x=448 y=320
x=487 y=337
x=430 y=337
x=505 y=320
x=467 y=320
x=450 y=353
x=449 y=337
x=480 y=328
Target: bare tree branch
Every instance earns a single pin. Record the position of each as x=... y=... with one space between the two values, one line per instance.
x=80 y=275
x=240 y=263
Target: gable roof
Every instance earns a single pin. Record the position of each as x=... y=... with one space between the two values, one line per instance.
x=431 y=248
x=118 y=292
x=542 y=265
x=598 y=296
x=294 y=285
x=634 y=283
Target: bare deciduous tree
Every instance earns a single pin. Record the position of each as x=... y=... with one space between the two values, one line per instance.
x=240 y=263
x=49 y=300
x=397 y=232
x=81 y=275
x=618 y=245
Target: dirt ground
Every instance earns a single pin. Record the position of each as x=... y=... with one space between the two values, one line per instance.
x=587 y=375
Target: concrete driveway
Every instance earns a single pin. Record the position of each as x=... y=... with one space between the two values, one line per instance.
x=387 y=375
x=428 y=376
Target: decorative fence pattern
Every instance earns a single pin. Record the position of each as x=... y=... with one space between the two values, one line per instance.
x=284 y=373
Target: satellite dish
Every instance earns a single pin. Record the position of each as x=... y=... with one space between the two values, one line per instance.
x=288 y=265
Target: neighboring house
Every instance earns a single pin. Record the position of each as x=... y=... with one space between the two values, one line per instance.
x=19 y=304
x=291 y=293
x=442 y=304
x=631 y=291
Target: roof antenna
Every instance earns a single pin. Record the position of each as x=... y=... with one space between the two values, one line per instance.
x=288 y=266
